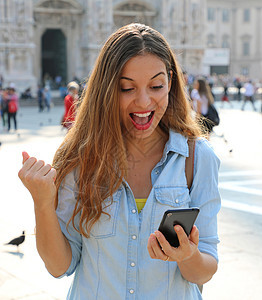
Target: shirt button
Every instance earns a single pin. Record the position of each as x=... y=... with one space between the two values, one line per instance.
x=133 y=211
x=131 y=291
x=132 y=264
x=156 y=172
x=134 y=237
x=177 y=201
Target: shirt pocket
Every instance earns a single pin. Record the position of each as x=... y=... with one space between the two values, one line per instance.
x=166 y=198
x=106 y=225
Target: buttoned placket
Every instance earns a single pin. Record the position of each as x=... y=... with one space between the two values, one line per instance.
x=133 y=229
x=133 y=243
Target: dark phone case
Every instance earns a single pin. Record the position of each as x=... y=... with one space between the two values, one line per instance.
x=184 y=217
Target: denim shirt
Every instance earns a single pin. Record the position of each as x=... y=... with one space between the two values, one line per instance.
x=114 y=262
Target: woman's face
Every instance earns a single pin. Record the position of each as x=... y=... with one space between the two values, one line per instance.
x=196 y=85
x=144 y=88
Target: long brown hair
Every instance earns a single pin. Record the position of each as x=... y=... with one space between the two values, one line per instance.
x=95 y=144
x=204 y=90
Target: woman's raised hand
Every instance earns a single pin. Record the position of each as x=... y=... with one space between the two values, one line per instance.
x=39 y=179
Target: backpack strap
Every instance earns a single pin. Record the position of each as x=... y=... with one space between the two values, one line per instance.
x=189 y=166
x=189 y=170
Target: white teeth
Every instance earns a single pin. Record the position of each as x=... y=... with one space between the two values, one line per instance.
x=142 y=115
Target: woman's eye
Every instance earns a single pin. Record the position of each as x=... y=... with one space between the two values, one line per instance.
x=156 y=87
x=126 y=90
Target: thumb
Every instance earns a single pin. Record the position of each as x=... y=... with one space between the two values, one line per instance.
x=194 y=235
x=25 y=156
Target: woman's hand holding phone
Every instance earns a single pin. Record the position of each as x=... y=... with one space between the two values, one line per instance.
x=159 y=248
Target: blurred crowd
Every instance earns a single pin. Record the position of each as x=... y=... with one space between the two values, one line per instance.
x=223 y=88
x=224 y=85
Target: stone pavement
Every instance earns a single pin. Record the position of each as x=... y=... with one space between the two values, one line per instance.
x=23 y=275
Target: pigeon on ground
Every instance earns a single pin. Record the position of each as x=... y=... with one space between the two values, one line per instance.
x=17 y=241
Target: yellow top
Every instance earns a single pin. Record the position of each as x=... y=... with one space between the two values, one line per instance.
x=140 y=203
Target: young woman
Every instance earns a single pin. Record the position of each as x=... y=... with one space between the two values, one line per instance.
x=70 y=102
x=202 y=98
x=127 y=146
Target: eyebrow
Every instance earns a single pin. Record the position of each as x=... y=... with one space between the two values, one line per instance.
x=130 y=79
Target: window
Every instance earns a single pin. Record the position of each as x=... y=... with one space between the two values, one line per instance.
x=211 y=41
x=225 y=41
x=246 y=15
x=195 y=12
x=246 y=48
x=211 y=14
x=245 y=71
x=225 y=15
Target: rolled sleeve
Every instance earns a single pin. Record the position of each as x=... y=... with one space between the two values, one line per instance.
x=205 y=195
x=66 y=203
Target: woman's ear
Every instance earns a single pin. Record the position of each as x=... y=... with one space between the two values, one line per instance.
x=170 y=76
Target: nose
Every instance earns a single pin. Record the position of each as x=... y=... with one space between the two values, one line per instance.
x=143 y=99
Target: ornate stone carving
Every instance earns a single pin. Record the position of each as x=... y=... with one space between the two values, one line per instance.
x=20 y=60
x=56 y=4
x=20 y=9
x=133 y=12
x=19 y=35
x=133 y=7
x=52 y=19
x=5 y=37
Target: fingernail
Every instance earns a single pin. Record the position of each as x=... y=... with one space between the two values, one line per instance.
x=157 y=233
x=177 y=228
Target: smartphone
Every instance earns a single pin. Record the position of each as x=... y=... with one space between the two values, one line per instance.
x=184 y=217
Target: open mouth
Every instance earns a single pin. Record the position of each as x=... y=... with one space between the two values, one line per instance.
x=142 y=121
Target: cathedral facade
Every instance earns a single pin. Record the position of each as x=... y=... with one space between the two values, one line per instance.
x=50 y=38
x=40 y=38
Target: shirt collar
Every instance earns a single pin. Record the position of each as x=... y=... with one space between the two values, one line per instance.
x=176 y=143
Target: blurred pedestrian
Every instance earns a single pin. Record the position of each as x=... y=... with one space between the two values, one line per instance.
x=27 y=94
x=202 y=99
x=12 y=100
x=58 y=81
x=225 y=96
x=129 y=142
x=70 y=102
x=249 y=94
x=4 y=107
x=1 y=81
x=40 y=98
x=1 y=101
x=238 y=85
x=47 y=97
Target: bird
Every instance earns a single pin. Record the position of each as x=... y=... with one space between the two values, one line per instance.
x=17 y=241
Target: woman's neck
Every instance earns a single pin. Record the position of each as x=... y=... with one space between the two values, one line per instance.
x=147 y=147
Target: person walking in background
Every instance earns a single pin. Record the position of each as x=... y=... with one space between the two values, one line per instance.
x=4 y=108
x=249 y=94
x=12 y=100
x=70 y=102
x=225 y=96
x=238 y=85
x=47 y=97
x=1 y=102
x=40 y=98
x=1 y=81
x=202 y=98
x=129 y=143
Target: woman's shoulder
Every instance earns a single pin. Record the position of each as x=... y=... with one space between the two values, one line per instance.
x=68 y=97
x=204 y=151
x=195 y=94
x=71 y=178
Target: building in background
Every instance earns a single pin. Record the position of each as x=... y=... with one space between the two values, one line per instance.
x=237 y=25
x=57 y=40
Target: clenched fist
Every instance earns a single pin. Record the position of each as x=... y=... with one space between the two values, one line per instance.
x=39 y=179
